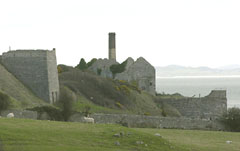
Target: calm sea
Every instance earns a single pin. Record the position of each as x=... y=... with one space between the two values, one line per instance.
x=190 y=86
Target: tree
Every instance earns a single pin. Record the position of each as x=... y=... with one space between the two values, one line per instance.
x=66 y=103
x=89 y=64
x=231 y=119
x=4 y=101
x=82 y=64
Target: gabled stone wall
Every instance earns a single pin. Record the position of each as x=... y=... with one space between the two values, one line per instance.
x=139 y=71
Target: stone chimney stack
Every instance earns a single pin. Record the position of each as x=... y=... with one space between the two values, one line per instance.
x=112 y=46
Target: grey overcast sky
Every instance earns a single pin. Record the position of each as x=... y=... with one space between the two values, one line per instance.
x=182 y=32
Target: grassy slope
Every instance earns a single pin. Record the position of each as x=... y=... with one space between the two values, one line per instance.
x=29 y=135
x=16 y=90
x=196 y=140
x=108 y=96
x=35 y=135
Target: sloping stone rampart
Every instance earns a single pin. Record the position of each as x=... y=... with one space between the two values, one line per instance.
x=36 y=69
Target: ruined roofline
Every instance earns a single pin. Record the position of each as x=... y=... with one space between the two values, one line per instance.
x=27 y=53
x=28 y=50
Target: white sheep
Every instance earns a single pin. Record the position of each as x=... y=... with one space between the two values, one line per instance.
x=10 y=115
x=88 y=120
x=229 y=142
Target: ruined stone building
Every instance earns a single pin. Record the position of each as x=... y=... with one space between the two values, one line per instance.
x=139 y=71
x=36 y=69
x=209 y=107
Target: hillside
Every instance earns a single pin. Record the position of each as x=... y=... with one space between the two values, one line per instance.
x=107 y=95
x=21 y=96
x=37 y=135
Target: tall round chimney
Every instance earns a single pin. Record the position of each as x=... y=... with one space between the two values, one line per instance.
x=112 y=46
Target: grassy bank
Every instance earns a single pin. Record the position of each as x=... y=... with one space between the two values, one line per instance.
x=196 y=140
x=35 y=135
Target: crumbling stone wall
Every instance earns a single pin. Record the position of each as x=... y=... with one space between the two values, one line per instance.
x=208 y=107
x=153 y=121
x=37 y=69
x=102 y=67
x=139 y=71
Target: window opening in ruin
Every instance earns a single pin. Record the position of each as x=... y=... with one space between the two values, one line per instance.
x=150 y=83
x=56 y=96
x=52 y=97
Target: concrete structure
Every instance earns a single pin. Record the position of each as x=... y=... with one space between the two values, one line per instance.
x=36 y=69
x=112 y=47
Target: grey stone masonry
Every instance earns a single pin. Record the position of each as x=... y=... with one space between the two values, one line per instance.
x=140 y=71
x=209 y=107
x=152 y=121
x=36 y=69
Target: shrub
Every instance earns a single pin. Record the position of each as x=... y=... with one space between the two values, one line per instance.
x=4 y=102
x=231 y=119
x=119 y=105
x=147 y=114
x=89 y=64
x=59 y=68
x=118 y=68
x=125 y=89
x=66 y=103
x=55 y=114
x=86 y=110
x=82 y=65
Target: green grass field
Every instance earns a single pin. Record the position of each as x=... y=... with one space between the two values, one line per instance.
x=36 y=135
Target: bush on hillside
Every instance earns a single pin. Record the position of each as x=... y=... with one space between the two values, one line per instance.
x=63 y=68
x=231 y=119
x=66 y=103
x=98 y=90
x=55 y=114
x=4 y=102
x=82 y=65
x=59 y=68
x=89 y=64
x=118 y=68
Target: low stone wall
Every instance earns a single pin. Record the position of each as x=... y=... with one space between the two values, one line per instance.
x=21 y=114
x=152 y=121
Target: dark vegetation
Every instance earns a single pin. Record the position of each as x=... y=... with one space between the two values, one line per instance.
x=4 y=101
x=54 y=113
x=83 y=65
x=118 y=68
x=231 y=119
x=62 y=110
x=66 y=103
